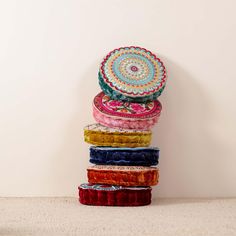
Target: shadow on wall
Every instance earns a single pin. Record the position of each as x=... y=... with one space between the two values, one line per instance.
x=190 y=153
x=72 y=159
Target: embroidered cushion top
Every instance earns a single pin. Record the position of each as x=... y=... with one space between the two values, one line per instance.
x=133 y=71
x=110 y=107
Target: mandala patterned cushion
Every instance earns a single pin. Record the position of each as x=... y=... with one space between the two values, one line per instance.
x=142 y=156
x=108 y=195
x=100 y=135
x=123 y=175
x=123 y=114
x=132 y=74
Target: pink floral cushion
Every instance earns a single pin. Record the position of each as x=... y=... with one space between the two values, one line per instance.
x=126 y=115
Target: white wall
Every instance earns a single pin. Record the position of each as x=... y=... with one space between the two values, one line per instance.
x=49 y=57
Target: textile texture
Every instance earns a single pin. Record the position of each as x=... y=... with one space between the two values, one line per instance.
x=111 y=196
x=124 y=156
x=126 y=115
x=123 y=175
x=103 y=136
x=118 y=96
x=134 y=72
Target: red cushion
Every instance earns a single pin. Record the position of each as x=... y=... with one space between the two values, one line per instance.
x=108 y=195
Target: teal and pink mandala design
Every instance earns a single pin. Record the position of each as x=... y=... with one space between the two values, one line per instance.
x=132 y=74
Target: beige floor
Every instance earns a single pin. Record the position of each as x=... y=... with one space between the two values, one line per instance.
x=65 y=216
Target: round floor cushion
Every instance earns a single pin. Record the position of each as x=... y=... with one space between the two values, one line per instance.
x=123 y=114
x=132 y=74
x=109 y=195
x=123 y=175
x=100 y=135
x=141 y=156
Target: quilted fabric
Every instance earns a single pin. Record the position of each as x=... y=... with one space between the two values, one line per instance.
x=123 y=114
x=107 y=195
x=123 y=175
x=124 y=156
x=118 y=96
x=100 y=135
x=132 y=74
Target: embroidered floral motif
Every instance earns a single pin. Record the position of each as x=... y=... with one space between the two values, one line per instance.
x=116 y=108
x=126 y=107
x=113 y=103
x=138 y=107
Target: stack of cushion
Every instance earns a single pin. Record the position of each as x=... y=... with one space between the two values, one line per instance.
x=131 y=79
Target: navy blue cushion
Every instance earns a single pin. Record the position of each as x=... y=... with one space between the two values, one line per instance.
x=144 y=156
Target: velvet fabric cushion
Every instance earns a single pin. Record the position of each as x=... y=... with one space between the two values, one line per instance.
x=132 y=74
x=126 y=115
x=100 y=135
x=142 y=156
x=123 y=175
x=108 y=195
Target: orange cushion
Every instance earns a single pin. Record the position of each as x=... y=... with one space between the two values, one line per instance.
x=123 y=175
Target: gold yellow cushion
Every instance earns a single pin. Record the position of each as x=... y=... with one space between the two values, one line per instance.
x=100 y=135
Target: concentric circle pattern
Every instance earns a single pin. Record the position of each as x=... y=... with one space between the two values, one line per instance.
x=132 y=72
